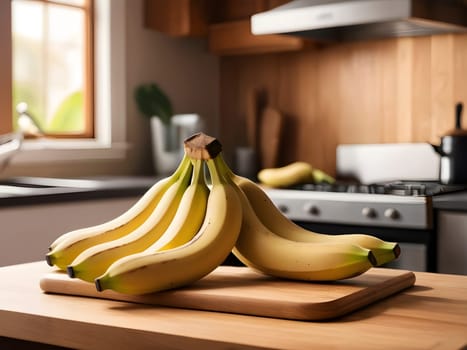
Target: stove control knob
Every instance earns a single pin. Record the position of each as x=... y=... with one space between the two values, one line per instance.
x=391 y=213
x=283 y=208
x=369 y=212
x=312 y=209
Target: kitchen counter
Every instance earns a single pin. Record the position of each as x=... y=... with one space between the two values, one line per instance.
x=456 y=201
x=44 y=191
x=430 y=315
x=38 y=190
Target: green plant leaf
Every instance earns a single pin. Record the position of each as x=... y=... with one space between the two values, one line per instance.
x=152 y=101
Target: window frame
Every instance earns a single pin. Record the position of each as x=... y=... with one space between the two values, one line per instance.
x=6 y=95
x=109 y=141
x=88 y=69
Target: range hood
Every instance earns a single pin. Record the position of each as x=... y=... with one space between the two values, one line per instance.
x=344 y=20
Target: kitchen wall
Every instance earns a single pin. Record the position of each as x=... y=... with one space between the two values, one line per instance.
x=182 y=67
x=392 y=90
x=384 y=91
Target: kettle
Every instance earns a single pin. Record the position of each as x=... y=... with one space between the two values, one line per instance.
x=453 y=152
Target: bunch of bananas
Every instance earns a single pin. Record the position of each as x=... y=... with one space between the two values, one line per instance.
x=182 y=229
x=293 y=174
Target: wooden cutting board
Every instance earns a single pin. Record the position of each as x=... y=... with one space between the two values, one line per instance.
x=243 y=291
x=272 y=122
x=251 y=118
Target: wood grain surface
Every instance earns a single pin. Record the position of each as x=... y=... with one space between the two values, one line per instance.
x=235 y=38
x=270 y=134
x=430 y=315
x=382 y=91
x=243 y=291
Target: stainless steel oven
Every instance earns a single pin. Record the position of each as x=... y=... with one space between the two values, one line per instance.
x=399 y=211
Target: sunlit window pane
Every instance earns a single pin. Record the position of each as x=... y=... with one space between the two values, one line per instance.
x=28 y=58
x=49 y=64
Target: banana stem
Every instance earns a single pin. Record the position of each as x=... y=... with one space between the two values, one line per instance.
x=186 y=172
x=224 y=168
x=198 y=172
x=181 y=167
x=217 y=176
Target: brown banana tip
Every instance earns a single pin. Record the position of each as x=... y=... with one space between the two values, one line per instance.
x=98 y=285
x=397 y=250
x=49 y=260
x=372 y=258
x=70 y=271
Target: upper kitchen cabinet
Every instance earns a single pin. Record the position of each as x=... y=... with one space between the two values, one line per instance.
x=177 y=17
x=226 y=24
x=235 y=38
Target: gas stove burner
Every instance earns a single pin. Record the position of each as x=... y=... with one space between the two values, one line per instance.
x=420 y=188
x=408 y=189
x=337 y=187
x=398 y=188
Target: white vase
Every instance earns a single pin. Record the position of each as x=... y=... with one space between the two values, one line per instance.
x=166 y=156
x=167 y=140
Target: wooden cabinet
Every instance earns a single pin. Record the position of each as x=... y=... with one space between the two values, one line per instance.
x=235 y=38
x=27 y=230
x=177 y=17
x=225 y=23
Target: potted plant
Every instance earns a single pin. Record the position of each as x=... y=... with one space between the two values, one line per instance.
x=154 y=104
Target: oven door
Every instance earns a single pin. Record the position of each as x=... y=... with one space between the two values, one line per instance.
x=418 y=247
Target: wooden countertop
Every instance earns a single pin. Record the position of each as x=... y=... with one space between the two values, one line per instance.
x=430 y=315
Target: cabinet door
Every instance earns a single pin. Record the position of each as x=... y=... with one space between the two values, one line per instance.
x=27 y=231
x=177 y=17
x=452 y=242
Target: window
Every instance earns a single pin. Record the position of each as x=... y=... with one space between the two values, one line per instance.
x=52 y=67
x=109 y=134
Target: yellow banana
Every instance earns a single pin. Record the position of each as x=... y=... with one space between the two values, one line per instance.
x=274 y=220
x=320 y=176
x=68 y=246
x=148 y=272
x=262 y=249
x=190 y=213
x=93 y=262
x=292 y=174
